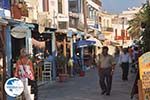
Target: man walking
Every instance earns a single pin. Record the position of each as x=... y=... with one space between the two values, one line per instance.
x=124 y=61
x=105 y=65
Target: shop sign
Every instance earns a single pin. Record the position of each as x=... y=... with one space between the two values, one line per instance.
x=14 y=87
x=144 y=70
x=63 y=18
x=19 y=31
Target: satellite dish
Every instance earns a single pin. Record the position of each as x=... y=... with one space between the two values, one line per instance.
x=19 y=32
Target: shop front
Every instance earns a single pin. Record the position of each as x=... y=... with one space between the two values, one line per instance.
x=6 y=55
x=20 y=38
x=44 y=51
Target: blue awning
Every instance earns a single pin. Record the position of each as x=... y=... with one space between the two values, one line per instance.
x=85 y=43
x=5 y=4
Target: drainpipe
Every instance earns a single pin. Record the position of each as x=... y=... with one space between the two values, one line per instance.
x=8 y=52
x=82 y=59
x=85 y=31
x=29 y=42
x=54 y=54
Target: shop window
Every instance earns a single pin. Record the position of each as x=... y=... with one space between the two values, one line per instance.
x=46 y=5
x=73 y=22
x=17 y=44
x=62 y=25
x=60 y=9
x=73 y=6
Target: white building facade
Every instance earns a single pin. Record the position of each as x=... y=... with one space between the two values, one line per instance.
x=94 y=7
x=49 y=13
x=114 y=26
x=120 y=26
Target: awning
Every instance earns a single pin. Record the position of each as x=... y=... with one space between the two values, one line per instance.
x=98 y=42
x=39 y=44
x=71 y=31
x=3 y=21
x=85 y=43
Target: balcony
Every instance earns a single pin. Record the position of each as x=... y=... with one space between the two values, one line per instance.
x=98 y=2
x=75 y=15
x=122 y=38
x=73 y=22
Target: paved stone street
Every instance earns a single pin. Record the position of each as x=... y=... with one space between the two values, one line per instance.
x=87 y=88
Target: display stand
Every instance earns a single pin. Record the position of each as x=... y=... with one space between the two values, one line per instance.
x=1 y=84
x=140 y=90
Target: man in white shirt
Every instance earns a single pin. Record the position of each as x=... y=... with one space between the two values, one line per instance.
x=124 y=61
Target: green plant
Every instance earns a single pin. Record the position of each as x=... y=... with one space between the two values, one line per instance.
x=61 y=61
x=141 y=20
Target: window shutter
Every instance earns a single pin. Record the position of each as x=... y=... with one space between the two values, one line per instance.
x=46 y=5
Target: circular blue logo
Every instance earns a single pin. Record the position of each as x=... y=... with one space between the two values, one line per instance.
x=14 y=87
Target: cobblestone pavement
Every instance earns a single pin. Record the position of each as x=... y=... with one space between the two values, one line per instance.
x=87 y=88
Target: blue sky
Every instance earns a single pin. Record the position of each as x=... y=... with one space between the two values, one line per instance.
x=116 y=6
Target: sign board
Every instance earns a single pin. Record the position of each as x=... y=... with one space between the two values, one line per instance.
x=63 y=18
x=144 y=70
x=19 y=31
x=14 y=87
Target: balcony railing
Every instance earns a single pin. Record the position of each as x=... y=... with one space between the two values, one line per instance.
x=109 y=29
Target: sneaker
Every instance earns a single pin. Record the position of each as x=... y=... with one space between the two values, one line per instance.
x=107 y=94
x=103 y=92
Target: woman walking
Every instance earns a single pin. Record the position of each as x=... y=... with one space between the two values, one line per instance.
x=24 y=71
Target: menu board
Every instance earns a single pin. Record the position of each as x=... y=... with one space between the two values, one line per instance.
x=144 y=70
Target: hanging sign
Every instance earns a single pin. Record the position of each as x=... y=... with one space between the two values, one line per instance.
x=19 y=31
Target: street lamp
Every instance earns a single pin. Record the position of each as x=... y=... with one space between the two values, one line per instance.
x=148 y=2
x=122 y=31
x=54 y=19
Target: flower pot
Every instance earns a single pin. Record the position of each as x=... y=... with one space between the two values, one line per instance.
x=63 y=77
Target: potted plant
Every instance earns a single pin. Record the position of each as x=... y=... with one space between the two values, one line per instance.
x=61 y=67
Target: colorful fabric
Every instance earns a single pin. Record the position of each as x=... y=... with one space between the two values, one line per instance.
x=24 y=69
x=25 y=72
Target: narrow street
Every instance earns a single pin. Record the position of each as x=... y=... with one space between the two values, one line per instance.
x=87 y=88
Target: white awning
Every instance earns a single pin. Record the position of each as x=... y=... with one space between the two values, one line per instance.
x=98 y=42
x=39 y=44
